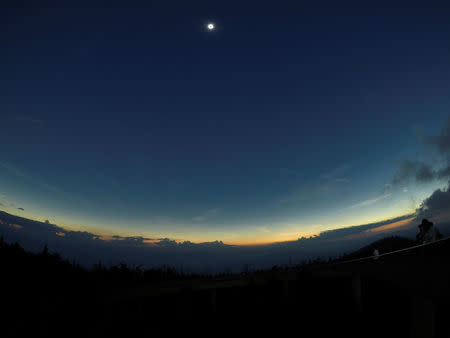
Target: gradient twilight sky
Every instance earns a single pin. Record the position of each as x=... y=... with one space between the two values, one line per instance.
x=129 y=117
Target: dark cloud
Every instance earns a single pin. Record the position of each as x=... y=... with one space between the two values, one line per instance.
x=21 y=209
x=435 y=205
x=167 y=242
x=421 y=172
x=414 y=170
x=443 y=173
x=170 y=243
x=131 y=240
x=358 y=229
x=442 y=141
x=79 y=235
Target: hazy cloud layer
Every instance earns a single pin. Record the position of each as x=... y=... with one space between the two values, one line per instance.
x=12 y=169
x=30 y=120
x=206 y=215
x=337 y=174
x=370 y=201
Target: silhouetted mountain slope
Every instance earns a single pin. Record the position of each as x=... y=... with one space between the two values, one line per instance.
x=383 y=245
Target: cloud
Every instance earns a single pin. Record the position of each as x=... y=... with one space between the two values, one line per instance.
x=313 y=191
x=336 y=174
x=442 y=141
x=370 y=201
x=386 y=188
x=19 y=173
x=338 y=170
x=131 y=239
x=21 y=209
x=167 y=242
x=31 y=120
x=348 y=232
x=342 y=180
x=435 y=205
x=285 y=171
x=326 y=186
x=421 y=172
x=206 y=215
x=400 y=225
x=14 y=170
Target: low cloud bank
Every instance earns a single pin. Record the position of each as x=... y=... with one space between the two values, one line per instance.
x=210 y=257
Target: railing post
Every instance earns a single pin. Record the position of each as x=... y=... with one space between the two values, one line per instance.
x=423 y=313
x=286 y=290
x=357 y=291
x=213 y=294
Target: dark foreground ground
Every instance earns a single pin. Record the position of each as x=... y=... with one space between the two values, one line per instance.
x=405 y=294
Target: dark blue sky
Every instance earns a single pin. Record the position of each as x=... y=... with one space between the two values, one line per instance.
x=287 y=119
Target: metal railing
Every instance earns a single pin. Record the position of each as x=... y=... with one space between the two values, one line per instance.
x=373 y=257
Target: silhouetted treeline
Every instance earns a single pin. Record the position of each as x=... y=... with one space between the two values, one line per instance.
x=17 y=262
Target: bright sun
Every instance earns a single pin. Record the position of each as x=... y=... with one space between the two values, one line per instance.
x=210 y=26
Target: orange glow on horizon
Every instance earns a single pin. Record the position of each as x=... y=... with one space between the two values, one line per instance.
x=16 y=226
x=387 y=227
x=395 y=225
